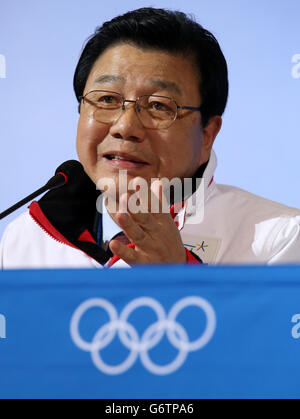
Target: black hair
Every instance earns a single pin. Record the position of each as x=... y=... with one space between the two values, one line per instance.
x=169 y=31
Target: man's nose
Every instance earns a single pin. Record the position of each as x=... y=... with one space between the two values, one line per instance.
x=128 y=126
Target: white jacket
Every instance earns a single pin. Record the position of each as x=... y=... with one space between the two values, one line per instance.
x=238 y=228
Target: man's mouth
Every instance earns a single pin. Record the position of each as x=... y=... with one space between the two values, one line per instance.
x=124 y=160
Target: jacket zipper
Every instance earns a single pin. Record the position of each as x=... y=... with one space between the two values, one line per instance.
x=66 y=243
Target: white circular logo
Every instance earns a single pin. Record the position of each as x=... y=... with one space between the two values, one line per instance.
x=140 y=346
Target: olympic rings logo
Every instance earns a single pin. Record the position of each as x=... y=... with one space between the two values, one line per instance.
x=129 y=336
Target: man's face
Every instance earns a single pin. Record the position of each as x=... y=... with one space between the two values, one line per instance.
x=170 y=153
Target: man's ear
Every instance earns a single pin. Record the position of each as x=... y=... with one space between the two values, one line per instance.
x=210 y=133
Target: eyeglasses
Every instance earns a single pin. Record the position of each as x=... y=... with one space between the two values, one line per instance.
x=154 y=112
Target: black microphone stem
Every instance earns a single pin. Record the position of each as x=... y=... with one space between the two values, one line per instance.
x=53 y=183
x=23 y=202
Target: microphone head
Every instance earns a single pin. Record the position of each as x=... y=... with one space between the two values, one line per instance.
x=70 y=172
x=70 y=169
x=75 y=198
x=76 y=181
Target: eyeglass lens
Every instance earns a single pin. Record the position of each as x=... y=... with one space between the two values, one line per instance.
x=154 y=112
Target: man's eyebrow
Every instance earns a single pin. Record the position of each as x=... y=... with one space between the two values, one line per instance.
x=109 y=78
x=168 y=85
x=163 y=84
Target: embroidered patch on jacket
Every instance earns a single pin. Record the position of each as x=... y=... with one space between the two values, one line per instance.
x=206 y=248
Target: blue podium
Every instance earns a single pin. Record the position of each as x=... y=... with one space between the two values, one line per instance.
x=151 y=332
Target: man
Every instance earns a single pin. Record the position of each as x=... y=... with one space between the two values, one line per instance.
x=152 y=87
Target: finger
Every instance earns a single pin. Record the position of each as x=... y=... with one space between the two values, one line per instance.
x=143 y=218
x=130 y=256
x=145 y=235
x=131 y=228
x=158 y=196
x=136 y=226
x=139 y=201
x=144 y=201
x=153 y=223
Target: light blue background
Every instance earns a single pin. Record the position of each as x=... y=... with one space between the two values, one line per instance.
x=259 y=146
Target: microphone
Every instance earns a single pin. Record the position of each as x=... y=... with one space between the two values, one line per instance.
x=64 y=174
